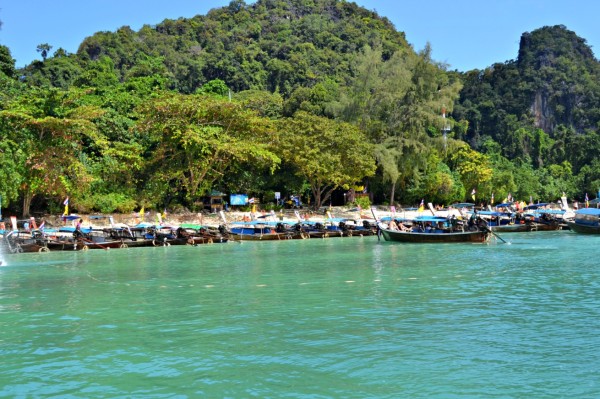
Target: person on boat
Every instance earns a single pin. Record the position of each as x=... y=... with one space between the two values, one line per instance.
x=379 y=226
x=402 y=227
x=77 y=233
x=440 y=226
x=393 y=225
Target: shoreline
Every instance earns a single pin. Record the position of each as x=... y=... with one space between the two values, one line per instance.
x=205 y=219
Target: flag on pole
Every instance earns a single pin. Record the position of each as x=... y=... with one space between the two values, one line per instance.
x=422 y=206
x=473 y=194
x=142 y=214
x=66 y=204
x=587 y=201
x=492 y=201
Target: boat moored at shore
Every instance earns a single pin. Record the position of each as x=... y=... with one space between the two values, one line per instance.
x=586 y=221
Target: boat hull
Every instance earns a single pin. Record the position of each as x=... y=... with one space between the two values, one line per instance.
x=583 y=228
x=454 y=237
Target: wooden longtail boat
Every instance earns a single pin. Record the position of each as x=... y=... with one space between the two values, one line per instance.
x=586 y=221
x=434 y=229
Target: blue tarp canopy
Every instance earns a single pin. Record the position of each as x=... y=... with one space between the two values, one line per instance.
x=552 y=211
x=505 y=205
x=339 y=220
x=435 y=219
x=589 y=211
x=491 y=213
x=71 y=217
x=143 y=225
x=67 y=229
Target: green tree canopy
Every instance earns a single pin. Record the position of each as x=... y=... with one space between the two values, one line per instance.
x=328 y=154
x=196 y=139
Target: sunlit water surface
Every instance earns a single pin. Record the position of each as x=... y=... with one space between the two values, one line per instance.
x=332 y=318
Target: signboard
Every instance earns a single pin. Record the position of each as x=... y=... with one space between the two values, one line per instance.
x=238 y=199
x=277 y=195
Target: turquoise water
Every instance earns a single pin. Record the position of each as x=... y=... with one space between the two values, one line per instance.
x=333 y=318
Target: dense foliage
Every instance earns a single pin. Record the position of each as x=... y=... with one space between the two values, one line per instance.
x=541 y=112
x=310 y=97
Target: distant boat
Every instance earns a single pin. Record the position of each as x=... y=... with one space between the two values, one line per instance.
x=253 y=231
x=20 y=241
x=586 y=221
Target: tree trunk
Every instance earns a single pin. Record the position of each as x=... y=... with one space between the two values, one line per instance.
x=27 y=198
x=393 y=193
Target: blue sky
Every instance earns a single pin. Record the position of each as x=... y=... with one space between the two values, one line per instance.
x=465 y=34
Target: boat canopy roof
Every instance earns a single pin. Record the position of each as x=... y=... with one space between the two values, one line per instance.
x=430 y=219
x=491 y=213
x=69 y=229
x=70 y=217
x=536 y=206
x=261 y=223
x=340 y=220
x=144 y=225
x=588 y=211
x=505 y=205
x=463 y=205
x=389 y=218
x=194 y=226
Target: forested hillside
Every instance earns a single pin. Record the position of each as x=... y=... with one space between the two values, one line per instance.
x=541 y=110
x=310 y=97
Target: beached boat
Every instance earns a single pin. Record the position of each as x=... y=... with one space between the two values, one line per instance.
x=252 y=231
x=20 y=241
x=586 y=221
x=508 y=222
x=546 y=216
x=70 y=239
x=195 y=234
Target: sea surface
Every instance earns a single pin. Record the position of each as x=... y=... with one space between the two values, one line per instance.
x=319 y=318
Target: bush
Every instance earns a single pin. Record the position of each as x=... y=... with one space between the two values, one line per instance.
x=363 y=202
x=272 y=207
x=106 y=203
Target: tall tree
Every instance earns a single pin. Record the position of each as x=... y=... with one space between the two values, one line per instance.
x=7 y=63
x=328 y=154
x=197 y=138
x=44 y=49
x=51 y=131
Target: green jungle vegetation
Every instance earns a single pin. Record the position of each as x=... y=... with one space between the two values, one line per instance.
x=310 y=97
